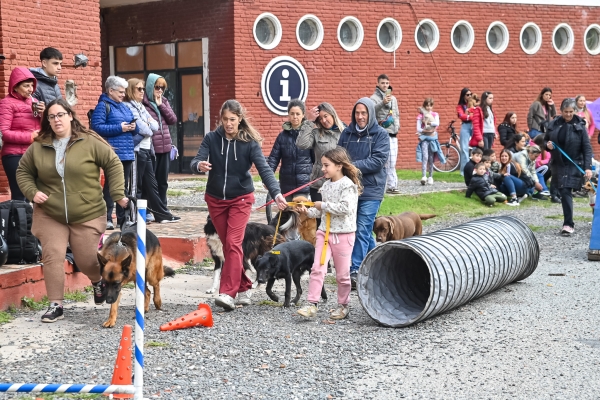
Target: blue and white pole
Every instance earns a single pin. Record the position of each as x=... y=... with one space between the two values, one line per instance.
x=140 y=294
x=60 y=388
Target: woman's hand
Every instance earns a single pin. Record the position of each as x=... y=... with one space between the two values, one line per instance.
x=132 y=126
x=313 y=113
x=35 y=134
x=40 y=197
x=204 y=166
x=538 y=186
x=507 y=174
x=480 y=144
x=123 y=202
x=125 y=127
x=588 y=173
x=40 y=107
x=550 y=145
x=158 y=100
x=301 y=209
x=281 y=202
x=318 y=205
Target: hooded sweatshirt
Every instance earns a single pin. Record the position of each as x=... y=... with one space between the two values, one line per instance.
x=47 y=88
x=161 y=139
x=369 y=149
x=17 y=119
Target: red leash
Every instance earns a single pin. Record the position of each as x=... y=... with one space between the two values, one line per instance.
x=290 y=192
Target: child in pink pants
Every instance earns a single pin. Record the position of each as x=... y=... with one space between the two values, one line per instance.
x=335 y=236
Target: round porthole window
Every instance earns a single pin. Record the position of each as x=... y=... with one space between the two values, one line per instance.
x=427 y=36
x=389 y=34
x=462 y=36
x=592 y=39
x=309 y=32
x=497 y=37
x=267 y=31
x=350 y=33
x=531 y=38
x=562 y=39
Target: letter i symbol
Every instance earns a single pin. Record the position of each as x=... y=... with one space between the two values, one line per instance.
x=285 y=95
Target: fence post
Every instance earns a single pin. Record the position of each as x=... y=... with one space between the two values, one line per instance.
x=140 y=289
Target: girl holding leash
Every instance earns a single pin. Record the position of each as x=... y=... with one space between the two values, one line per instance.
x=335 y=236
x=229 y=152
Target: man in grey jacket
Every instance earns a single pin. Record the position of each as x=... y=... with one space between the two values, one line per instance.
x=47 y=75
x=388 y=116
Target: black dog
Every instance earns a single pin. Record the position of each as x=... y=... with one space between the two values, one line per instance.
x=287 y=260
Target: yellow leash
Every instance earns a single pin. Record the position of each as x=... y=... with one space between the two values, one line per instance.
x=327 y=225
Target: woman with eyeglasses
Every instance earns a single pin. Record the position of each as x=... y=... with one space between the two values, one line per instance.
x=19 y=124
x=466 y=126
x=146 y=186
x=114 y=122
x=158 y=107
x=541 y=112
x=60 y=172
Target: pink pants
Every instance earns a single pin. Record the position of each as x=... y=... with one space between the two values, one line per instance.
x=340 y=246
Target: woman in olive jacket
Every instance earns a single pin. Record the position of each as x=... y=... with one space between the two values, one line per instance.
x=60 y=172
x=542 y=111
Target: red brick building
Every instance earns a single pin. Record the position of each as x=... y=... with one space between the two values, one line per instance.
x=211 y=51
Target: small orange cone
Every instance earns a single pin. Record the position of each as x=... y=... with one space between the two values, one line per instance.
x=201 y=317
x=122 y=373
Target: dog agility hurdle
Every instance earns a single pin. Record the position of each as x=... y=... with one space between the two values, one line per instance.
x=138 y=380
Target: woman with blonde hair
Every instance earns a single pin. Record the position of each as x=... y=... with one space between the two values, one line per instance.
x=229 y=152
x=582 y=111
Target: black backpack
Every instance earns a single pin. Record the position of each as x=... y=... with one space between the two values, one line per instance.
x=90 y=113
x=16 y=217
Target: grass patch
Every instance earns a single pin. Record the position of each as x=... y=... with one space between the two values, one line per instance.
x=330 y=279
x=579 y=218
x=442 y=203
x=192 y=266
x=130 y=285
x=257 y=178
x=537 y=228
x=415 y=175
x=76 y=296
x=175 y=193
x=35 y=305
x=5 y=317
x=269 y=303
x=156 y=344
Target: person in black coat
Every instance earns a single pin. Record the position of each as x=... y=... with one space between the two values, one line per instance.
x=508 y=129
x=296 y=164
x=482 y=187
x=569 y=133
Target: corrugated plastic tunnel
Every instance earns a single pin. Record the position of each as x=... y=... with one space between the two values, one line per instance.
x=406 y=281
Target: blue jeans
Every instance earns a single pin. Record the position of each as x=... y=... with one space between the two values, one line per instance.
x=364 y=242
x=542 y=181
x=513 y=185
x=466 y=131
x=534 y=132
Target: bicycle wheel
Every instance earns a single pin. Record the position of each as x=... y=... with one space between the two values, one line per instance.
x=452 y=156
x=268 y=208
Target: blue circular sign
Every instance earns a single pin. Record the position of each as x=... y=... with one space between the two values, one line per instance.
x=283 y=79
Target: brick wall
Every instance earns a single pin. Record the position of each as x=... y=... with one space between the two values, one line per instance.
x=72 y=26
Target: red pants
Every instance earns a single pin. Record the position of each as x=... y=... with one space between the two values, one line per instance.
x=230 y=218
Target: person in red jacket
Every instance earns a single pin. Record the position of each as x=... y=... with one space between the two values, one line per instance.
x=19 y=123
x=484 y=123
x=466 y=126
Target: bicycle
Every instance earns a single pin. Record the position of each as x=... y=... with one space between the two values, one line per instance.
x=451 y=152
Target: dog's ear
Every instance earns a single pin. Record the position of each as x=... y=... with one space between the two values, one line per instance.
x=102 y=261
x=391 y=221
x=126 y=262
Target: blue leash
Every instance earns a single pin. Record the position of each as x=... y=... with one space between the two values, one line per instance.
x=574 y=163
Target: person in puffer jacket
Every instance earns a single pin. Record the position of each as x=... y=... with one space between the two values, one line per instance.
x=114 y=121
x=296 y=164
x=19 y=123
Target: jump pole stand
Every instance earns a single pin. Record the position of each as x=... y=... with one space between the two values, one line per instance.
x=140 y=295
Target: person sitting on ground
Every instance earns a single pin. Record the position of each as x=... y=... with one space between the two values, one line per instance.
x=487 y=192
x=512 y=186
x=476 y=155
x=542 y=169
x=526 y=160
x=429 y=146
x=493 y=178
x=494 y=165
x=508 y=129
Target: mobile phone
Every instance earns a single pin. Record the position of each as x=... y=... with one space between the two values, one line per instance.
x=388 y=92
x=132 y=121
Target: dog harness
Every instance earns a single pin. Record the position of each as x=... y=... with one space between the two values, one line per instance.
x=327 y=226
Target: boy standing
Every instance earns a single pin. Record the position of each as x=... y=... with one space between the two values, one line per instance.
x=482 y=188
x=388 y=117
x=476 y=154
x=47 y=75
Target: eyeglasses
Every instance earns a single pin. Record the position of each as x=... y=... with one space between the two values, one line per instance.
x=52 y=117
x=140 y=89
x=469 y=94
x=163 y=88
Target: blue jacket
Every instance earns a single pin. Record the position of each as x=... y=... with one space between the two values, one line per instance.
x=369 y=151
x=109 y=126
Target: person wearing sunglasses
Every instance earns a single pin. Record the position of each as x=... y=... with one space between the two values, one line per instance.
x=158 y=106
x=146 y=187
x=466 y=126
x=114 y=122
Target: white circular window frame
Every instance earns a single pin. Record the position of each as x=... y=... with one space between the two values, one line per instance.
x=595 y=51
x=471 y=32
x=359 y=31
x=320 y=33
x=436 y=33
x=538 y=34
x=504 y=45
x=278 y=31
x=570 y=42
x=398 y=29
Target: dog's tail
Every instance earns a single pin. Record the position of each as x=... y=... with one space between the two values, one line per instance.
x=168 y=271
x=426 y=216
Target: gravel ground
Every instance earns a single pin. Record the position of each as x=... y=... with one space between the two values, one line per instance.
x=536 y=339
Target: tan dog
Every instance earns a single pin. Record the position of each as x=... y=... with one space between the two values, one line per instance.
x=308 y=226
x=396 y=227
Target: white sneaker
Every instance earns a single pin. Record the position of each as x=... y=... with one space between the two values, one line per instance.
x=520 y=199
x=309 y=311
x=430 y=180
x=225 y=301
x=243 y=298
x=423 y=181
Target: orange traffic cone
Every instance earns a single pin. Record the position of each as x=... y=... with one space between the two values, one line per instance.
x=122 y=373
x=202 y=316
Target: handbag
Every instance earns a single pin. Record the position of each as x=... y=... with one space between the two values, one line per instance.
x=389 y=121
x=174 y=153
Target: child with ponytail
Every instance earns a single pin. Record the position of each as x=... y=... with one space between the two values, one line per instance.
x=335 y=236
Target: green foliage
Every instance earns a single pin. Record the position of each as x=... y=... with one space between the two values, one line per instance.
x=5 y=317
x=35 y=305
x=153 y=343
x=175 y=193
x=415 y=175
x=76 y=296
x=330 y=280
x=269 y=303
x=130 y=285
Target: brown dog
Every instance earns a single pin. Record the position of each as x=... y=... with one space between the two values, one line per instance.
x=396 y=227
x=117 y=267
x=308 y=226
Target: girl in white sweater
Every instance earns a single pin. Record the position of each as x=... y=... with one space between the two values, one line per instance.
x=335 y=236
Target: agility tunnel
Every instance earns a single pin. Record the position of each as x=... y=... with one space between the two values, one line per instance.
x=406 y=281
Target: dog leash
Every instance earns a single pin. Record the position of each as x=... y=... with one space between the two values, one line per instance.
x=575 y=164
x=290 y=192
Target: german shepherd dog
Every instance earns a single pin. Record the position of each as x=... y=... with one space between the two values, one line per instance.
x=258 y=239
x=117 y=266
